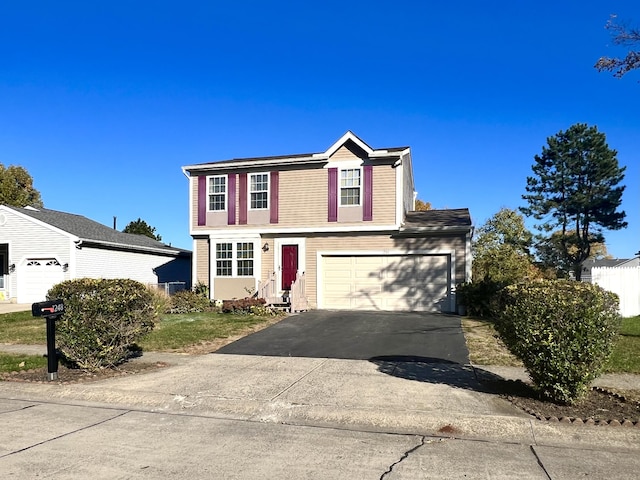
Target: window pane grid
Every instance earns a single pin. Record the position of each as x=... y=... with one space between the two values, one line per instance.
x=350 y=186
x=259 y=192
x=244 y=255
x=223 y=259
x=217 y=193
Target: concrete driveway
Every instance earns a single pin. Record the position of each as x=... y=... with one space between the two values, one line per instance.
x=370 y=335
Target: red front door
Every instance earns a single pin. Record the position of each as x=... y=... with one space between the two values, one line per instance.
x=289 y=265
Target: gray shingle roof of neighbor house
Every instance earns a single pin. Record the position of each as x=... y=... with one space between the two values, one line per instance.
x=453 y=219
x=93 y=232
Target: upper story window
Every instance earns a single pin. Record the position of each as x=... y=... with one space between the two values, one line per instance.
x=259 y=191
x=350 y=186
x=217 y=193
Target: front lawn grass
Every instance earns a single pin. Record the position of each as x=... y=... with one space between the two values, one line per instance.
x=626 y=354
x=10 y=362
x=172 y=332
x=22 y=328
x=180 y=331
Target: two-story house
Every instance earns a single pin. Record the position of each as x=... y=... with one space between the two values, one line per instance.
x=342 y=217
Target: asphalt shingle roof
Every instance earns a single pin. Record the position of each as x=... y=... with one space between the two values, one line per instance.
x=457 y=217
x=89 y=230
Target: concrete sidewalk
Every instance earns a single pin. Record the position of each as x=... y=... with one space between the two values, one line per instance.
x=236 y=416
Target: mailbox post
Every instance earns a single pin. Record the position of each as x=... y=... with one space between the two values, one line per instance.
x=50 y=310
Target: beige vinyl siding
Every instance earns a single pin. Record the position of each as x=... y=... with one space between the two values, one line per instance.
x=303 y=201
x=384 y=195
x=344 y=153
x=202 y=258
x=364 y=243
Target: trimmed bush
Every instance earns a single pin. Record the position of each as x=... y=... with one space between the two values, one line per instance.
x=247 y=305
x=562 y=330
x=478 y=297
x=102 y=321
x=188 y=301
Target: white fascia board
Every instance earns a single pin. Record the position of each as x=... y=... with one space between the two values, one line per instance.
x=399 y=194
x=253 y=163
x=170 y=253
x=72 y=237
x=256 y=233
x=343 y=139
x=448 y=229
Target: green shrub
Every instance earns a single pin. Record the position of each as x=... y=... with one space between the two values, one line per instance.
x=201 y=289
x=188 y=301
x=478 y=297
x=160 y=300
x=562 y=330
x=244 y=305
x=103 y=319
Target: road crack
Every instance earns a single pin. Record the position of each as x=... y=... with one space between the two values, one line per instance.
x=403 y=457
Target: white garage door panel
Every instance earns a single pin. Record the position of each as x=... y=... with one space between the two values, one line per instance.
x=36 y=277
x=386 y=282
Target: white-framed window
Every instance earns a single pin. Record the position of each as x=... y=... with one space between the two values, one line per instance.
x=350 y=186
x=217 y=193
x=224 y=259
x=258 y=191
x=244 y=255
x=234 y=259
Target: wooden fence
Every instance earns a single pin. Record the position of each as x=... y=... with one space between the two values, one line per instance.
x=625 y=282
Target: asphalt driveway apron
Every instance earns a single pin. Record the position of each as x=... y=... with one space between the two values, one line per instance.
x=360 y=335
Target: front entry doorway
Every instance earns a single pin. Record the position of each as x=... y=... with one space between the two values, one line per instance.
x=289 y=265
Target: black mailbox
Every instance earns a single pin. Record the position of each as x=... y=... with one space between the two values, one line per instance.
x=50 y=310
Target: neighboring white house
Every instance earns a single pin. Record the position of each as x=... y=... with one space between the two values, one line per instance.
x=40 y=248
x=621 y=277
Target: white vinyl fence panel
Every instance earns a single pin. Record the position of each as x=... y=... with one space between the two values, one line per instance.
x=625 y=282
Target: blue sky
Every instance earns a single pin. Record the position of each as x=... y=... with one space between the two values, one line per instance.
x=104 y=102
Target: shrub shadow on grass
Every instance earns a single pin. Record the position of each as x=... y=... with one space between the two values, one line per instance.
x=440 y=371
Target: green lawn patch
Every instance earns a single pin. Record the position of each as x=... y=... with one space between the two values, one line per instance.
x=626 y=354
x=22 y=328
x=179 y=331
x=10 y=362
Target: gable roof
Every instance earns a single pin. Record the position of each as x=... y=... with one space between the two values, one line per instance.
x=91 y=232
x=457 y=219
x=299 y=158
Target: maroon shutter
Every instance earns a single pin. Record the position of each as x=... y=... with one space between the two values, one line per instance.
x=333 y=194
x=202 y=200
x=231 y=197
x=243 y=199
x=273 y=201
x=367 y=206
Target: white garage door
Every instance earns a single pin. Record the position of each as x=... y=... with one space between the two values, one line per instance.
x=387 y=282
x=36 y=277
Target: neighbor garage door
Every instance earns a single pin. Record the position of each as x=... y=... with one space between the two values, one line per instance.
x=36 y=276
x=386 y=282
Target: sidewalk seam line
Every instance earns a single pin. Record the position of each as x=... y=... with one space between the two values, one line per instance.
x=64 y=435
x=298 y=380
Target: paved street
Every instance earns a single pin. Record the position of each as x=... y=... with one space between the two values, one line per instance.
x=249 y=416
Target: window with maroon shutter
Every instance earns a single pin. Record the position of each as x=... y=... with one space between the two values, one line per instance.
x=367 y=206
x=242 y=177
x=273 y=218
x=333 y=195
x=202 y=200
x=231 y=214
